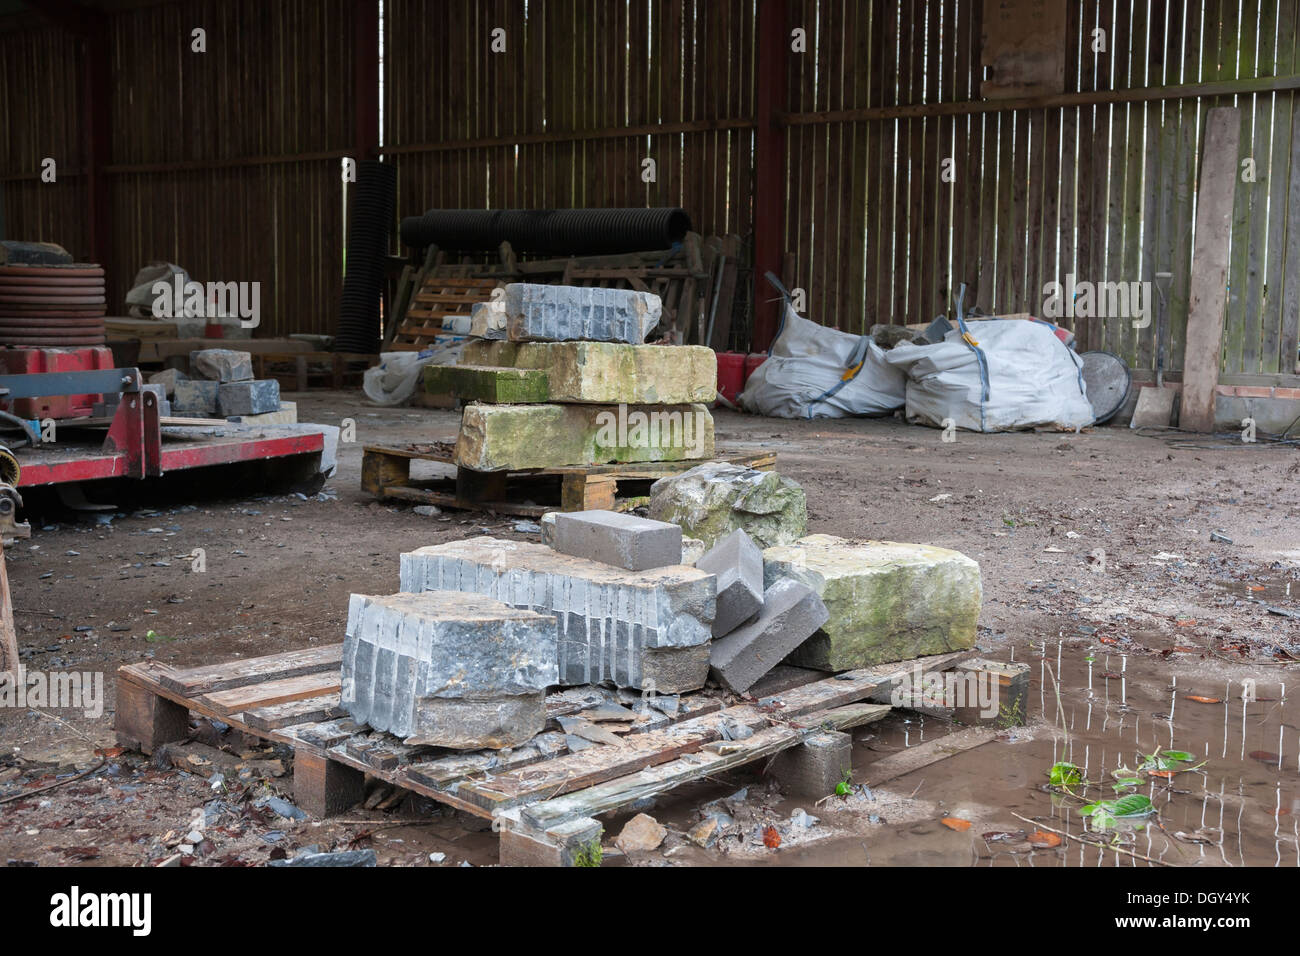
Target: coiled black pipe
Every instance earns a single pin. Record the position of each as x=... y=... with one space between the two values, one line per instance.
x=363 y=282
x=552 y=231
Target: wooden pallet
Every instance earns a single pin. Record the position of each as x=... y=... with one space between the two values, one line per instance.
x=436 y=298
x=386 y=473
x=542 y=795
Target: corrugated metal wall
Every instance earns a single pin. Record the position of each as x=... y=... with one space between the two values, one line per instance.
x=205 y=172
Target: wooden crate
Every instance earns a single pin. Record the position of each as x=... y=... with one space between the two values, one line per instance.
x=386 y=473
x=537 y=794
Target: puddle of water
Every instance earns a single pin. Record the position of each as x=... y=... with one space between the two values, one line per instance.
x=1240 y=806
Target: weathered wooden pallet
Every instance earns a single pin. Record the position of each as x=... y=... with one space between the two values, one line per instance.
x=438 y=297
x=543 y=787
x=386 y=473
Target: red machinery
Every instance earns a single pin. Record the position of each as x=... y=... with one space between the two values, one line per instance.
x=47 y=394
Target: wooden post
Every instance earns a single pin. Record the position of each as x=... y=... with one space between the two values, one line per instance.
x=1208 y=291
x=8 y=635
x=769 y=166
x=324 y=787
x=146 y=721
x=365 y=78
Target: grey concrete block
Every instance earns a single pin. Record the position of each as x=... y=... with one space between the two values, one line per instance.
x=451 y=669
x=814 y=768
x=738 y=564
x=625 y=541
x=792 y=612
x=607 y=617
x=556 y=313
x=196 y=398
x=221 y=365
x=248 y=398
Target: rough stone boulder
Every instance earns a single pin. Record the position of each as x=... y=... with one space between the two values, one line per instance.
x=714 y=499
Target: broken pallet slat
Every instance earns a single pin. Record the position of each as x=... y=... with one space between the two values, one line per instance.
x=896 y=765
x=276 y=716
x=279 y=691
x=596 y=765
x=195 y=681
x=722 y=755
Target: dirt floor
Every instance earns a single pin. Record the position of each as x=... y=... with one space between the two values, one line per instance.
x=1098 y=568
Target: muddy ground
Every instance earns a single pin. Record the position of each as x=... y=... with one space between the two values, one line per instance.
x=1095 y=548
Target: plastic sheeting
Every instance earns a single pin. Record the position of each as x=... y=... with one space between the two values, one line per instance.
x=394 y=380
x=816 y=372
x=1027 y=378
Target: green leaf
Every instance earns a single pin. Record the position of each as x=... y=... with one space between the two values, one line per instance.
x=1134 y=805
x=1182 y=756
x=1065 y=775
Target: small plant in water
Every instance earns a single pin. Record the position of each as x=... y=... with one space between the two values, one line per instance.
x=845 y=786
x=1104 y=814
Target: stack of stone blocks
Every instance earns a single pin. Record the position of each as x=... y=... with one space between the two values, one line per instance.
x=559 y=376
x=223 y=386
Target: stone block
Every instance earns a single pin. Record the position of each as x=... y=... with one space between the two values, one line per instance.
x=248 y=398
x=887 y=601
x=714 y=499
x=607 y=617
x=482 y=383
x=625 y=541
x=814 y=768
x=791 y=614
x=513 y=437
x=195 y=399
x=168 y=378
x=737 y=562
x=221 y=365
x=449 y=669
x=287 y=414
x=607 y=372
x=558 y=313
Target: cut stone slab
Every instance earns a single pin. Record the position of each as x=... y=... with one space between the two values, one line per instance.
x=248 y=398
x=514 y=437
x=887 y=601
x=482 y=383
x=609 y=620
x=625 y=541
x=168 y=378
x=714 y=499
x=196 y=398
x=738 y=564
x=609 y=373
x=222 y=365
x=287 y=414
x=449 y=669
x=791 y=614
x=558 y=313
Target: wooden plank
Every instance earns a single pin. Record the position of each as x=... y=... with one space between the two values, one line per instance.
x=1209 y=269
x=924 y=755
x=724 y=755
x=308 y=710
x=9 y=665
x=600 y=764
x=239 y=699
x=194 y=681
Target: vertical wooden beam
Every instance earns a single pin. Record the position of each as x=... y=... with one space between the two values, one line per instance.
x=8 y=635
x=769 y=166
x=96 y=129
x=365 y=82
x=1210 y=269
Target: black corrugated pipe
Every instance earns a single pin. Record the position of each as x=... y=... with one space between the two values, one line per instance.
x=363 y=281
x=551 y=231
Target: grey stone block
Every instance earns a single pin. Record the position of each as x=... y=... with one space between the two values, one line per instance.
x=625 y=541
x=450 y=669
x=607 y=617
x=792 y=612
x=557 y=313
x=168 y=378
x=248 y=398
x=674 y=670
x=738 y=564
x=196 y=398
x=221 y=365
